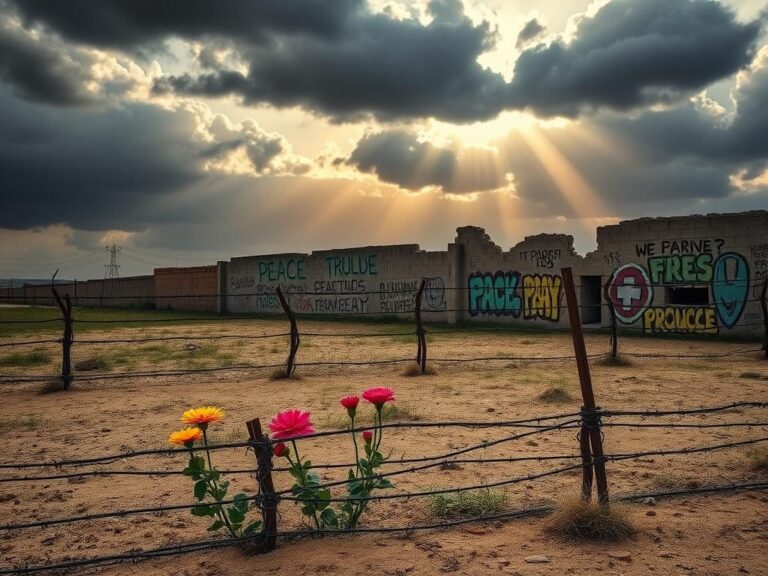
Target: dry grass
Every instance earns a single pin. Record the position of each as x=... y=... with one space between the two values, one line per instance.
x=618 y=361
x=33 y=358
x=414 y=369
x=578 y=520
x=758 y=458
x=674 y=482
x=753 y=376
x=281 y=374
x=555 y=395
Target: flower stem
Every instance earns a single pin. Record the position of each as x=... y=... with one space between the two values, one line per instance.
x=213 y=488
x=303 y=475
x=357 y=453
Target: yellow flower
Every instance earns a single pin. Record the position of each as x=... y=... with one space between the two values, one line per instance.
x=202 y=416
x=185 y=437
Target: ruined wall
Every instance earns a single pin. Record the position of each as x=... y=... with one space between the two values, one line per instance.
x=688 y=274
x=129 y=292
x=190 y=288
x=375 y=280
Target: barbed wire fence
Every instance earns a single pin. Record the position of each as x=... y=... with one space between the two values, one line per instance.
x=293 y=362
x=591 y=459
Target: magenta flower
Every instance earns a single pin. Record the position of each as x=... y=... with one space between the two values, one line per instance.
x=367 y=436
x=280 y=449
x=290 y=424
x=350 y=402
x=379 y=395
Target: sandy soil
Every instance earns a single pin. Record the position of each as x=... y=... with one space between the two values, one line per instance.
x=702 y=536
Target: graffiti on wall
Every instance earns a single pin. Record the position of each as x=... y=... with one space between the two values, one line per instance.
x=344 y=265
x=341 y=296
x=399 y=296
x=759 y=253
x=672 y=263
x=532 y=296
x=278 y=270
x=544 y=258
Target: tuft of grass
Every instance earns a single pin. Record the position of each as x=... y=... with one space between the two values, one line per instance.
x=413 y=369
x=753 y=376
x=578 y=520
x=555 y=395
x=467 y=504
x=31 y=422
x=281 y=374
x=758 y=458
x=674 y=482
x=618 y=361
x=33 y=358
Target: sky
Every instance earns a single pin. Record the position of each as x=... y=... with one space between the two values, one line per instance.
x=192 y=131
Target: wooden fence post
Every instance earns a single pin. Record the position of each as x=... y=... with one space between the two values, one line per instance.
x=764 y=308
x=612 y=312
x=260 y=444
x=590 y=417
x=290 y=364
x=421 y=353
x=66 y=342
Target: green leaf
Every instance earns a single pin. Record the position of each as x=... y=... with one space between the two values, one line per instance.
x=235 y=515
x=308 y=464
x=215 y=526
x=241 y=502
x=308 y=509
x=252 y=527
x=384 y=483
x=351 y=474
x=203 y=511
x=329 y=517
x=324 y=496
x=201 y=488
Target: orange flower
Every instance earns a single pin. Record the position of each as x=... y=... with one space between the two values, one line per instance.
x=185 y=437
x=202 y=416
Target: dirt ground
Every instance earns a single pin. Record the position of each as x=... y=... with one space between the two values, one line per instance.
x=693 y=535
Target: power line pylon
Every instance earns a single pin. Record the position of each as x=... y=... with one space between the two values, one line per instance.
x=112 y=267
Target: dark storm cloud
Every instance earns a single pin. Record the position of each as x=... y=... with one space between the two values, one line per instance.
x=633 y=53
x=532 y=29
x=41 y=70
x=380 y=66
x=114 y=168
x=130 y=24
x=399 y=157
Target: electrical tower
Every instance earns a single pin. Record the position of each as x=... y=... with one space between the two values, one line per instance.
x=111 y=268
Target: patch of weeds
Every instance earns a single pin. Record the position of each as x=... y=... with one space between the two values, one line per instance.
x=758 y=458
x=413 y=369
x=30 y=422
x=618 y=361
x=668 y=481
x=555 y=395
x=467 y=504
x=753 y=376
x=578 y=520
x=33 y=358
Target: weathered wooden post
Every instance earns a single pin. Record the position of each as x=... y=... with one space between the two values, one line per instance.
x=260 y=444
x=421 y=353
x=764 y=308
x=290 y=364
x=590 y=417
x=612 y=313
x=66 y=342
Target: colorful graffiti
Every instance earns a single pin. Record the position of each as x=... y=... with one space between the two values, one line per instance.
x=680 y=319
x=534 y=296
x=727 y=277
x=630 y=292
x=730 y=287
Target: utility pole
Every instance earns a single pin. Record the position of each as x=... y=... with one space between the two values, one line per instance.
x=112 y=267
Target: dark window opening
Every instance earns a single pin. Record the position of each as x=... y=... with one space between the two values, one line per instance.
x=591 y=303
x=688 y=296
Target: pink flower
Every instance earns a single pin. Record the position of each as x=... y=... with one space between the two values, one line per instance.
x=350 y=402
x=379 y=395
x=290 y=424
x=280 y=449
x=367 y=436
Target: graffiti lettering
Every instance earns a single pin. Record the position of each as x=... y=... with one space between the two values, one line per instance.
x=541 y=296
x=338 y=296
x=494 y=294
x=276 y=270
x=544 y=258
x=351 y=265
x=680 y=269
x=668 y=247
x=240 y=282
x=699 y=319
x=434 y=294
x=759 y=253
x=398 y=296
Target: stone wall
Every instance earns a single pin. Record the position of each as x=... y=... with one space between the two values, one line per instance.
x=190 y=288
